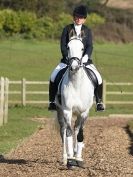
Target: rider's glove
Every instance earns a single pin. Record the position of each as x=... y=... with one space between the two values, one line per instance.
x=86 y=60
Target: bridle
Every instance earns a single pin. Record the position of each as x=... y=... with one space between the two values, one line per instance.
x=79 y=60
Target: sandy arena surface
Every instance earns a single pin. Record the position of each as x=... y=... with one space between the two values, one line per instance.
x=108 y=152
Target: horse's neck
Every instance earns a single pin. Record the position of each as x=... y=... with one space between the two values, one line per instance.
x=77 y=78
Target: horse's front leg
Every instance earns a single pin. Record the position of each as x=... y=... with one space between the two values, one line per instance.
x=69 y=134
x=80 y=144
x=69 y=141
x=79 y=137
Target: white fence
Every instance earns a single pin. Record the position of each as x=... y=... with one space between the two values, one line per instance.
x=4 y=85
x=23 y=92
x=114 y=93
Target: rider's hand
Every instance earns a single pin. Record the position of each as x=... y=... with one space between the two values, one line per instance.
x=88 y=62
x=85 y=59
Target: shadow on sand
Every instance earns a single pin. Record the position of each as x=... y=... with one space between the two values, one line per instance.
x=12 y=161
x=130 y=134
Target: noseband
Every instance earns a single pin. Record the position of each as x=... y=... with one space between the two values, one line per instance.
x=75 y=58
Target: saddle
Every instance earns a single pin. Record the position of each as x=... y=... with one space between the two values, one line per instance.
x=58 y=80
x=59 y=76
x=91 y=76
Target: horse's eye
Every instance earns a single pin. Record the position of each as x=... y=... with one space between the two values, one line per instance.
x=82 y=49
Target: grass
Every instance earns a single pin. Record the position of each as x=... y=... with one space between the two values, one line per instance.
x=28 y=59
x=35 y=60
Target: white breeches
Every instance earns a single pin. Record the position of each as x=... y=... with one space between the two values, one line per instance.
x=60 y=66
x=93 y=68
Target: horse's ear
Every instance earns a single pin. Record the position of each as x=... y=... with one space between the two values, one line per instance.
x=71 y=34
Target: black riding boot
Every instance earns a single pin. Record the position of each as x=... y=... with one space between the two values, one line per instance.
x=52 y=93
x=98 y=94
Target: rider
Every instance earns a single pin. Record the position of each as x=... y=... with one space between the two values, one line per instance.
x=79 y=29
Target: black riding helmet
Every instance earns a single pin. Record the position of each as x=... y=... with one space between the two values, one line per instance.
x=80 y=11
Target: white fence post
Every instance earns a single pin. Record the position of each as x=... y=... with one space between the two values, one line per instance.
x=6 y=88
x=24 y=92
x=104 y=92
x=1 y=101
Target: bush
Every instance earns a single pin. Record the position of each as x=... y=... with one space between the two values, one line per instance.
x=94 y=20
x=27 y=21
x=2 y=20
x=29 y=26
x=63 y=20
x=11 y=23
x=44 y=28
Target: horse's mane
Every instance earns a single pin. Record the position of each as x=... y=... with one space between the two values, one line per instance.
x=76 y=38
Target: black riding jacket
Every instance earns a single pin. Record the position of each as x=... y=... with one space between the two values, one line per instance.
x=68 y=32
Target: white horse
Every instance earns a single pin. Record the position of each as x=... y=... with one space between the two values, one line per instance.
x=76 y=96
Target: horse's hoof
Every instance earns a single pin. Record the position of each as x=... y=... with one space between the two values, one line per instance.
x=71 y=163
x=80 y=164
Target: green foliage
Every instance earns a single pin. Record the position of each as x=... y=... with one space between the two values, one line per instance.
x=63 y=20
x=29 y=26
x=94 y=20
x=11 y=21
x=27 y=21
x=2 y=20
x=44 y=28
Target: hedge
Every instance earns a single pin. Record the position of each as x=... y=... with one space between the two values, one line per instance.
x=28 y=25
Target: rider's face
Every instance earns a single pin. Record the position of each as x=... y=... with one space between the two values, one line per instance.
x=79 y=20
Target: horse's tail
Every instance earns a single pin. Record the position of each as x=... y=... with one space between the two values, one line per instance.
x=55 y=123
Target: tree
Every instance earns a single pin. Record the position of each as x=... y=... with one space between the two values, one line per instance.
x=19 y=4
x=50 y=7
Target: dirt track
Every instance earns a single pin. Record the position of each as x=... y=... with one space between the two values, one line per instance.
x=108 y=152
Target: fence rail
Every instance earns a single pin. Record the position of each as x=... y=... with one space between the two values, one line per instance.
x=106 y=92
x=24 y=91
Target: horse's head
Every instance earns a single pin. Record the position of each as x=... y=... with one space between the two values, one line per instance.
x=75 y=53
